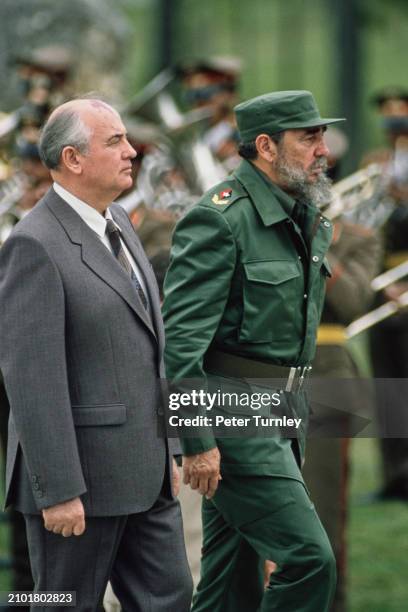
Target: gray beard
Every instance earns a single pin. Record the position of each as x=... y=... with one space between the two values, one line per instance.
x=296 y=181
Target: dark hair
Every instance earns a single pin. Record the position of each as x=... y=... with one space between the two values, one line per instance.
x=247 y=150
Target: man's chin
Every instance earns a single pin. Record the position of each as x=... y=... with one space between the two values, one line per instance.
x=126 y=183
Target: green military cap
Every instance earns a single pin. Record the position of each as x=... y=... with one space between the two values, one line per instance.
x=278 y=111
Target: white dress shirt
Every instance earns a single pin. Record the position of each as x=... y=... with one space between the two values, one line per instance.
x=97 y=222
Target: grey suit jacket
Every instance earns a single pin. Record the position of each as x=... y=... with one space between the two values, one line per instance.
x=82 y=362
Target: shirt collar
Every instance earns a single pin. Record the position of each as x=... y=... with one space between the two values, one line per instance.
x=88 y=214
x=260 y=189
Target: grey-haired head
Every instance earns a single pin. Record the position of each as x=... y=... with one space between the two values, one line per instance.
x=63 y=128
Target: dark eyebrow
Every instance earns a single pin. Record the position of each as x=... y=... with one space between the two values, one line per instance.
x=314 y=130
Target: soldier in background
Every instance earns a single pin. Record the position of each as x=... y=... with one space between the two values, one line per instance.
x=354 y=258
x=150 y=205
x=35 y=182
x=389 y=339
x=44 y=80
x=213 y=83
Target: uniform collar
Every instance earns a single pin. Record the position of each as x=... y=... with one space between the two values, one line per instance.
x=88 y=214
x=272 y=204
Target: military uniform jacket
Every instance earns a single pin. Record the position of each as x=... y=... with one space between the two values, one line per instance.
x=244 y=278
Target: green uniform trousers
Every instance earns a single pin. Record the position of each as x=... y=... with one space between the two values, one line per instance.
x=237 y=541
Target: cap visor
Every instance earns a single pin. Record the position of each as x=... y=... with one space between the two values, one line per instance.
x=315 y=123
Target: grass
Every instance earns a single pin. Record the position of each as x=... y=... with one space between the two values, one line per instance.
x=4 y=556
x=378 y=540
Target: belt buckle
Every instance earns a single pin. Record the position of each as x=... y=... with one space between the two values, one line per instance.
x=291 y=378
x=305 y=373
x=296 y=378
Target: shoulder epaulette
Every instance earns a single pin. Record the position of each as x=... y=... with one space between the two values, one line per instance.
x=224 y=194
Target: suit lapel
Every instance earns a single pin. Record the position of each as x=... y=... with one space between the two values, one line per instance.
x=96 y=256
x=128 y=235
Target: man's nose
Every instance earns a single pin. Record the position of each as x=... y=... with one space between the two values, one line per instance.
x=322 y=149
x=129 y=152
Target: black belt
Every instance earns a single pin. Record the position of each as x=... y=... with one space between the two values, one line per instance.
x=235 y=366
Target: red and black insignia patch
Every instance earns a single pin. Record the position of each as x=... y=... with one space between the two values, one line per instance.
x=222 y=197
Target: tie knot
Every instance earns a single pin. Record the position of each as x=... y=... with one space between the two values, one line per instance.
x=111 y=227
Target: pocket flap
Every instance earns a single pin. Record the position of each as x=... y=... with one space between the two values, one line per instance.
x=107 y=414
x=274 y=271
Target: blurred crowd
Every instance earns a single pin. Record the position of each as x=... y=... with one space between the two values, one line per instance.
x=182 y=127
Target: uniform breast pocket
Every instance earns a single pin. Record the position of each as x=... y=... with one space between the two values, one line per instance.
x=273 y=293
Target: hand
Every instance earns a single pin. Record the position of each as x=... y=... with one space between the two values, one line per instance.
x=176 y=479
x=203 y=472
x=67 y=518
x=269 y=568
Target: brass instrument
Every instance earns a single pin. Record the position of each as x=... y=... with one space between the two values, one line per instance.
x=11 y=190
x=156 y=103
x=377 y=315
x=361 y=198
x=131 y=200
x=391 y=276
x=385 y=310
x=9 y=123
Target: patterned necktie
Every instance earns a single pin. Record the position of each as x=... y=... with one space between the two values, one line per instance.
x=114 y=238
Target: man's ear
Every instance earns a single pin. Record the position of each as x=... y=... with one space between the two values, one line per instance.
x=266 y=147
x=71 y=159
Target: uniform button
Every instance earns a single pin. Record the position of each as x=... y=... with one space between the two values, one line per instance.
x=315 y=258
x=305 y=296
x=326 y=224
x=299 y=257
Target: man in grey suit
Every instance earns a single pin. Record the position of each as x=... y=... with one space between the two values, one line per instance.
x=81 y=345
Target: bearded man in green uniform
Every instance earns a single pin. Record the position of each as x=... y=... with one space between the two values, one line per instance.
x=243 y=298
